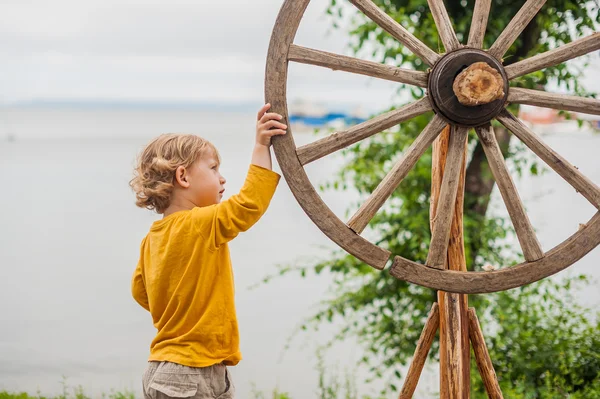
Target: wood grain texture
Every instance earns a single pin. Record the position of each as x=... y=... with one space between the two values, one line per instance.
x=391 y=181
x=455 y=261
x=532 y=250
x=453 y=347
x=557 y=259
x=354 y=65
x=479 y=23
x=554 y=57
x=438 y=248
x=570 y=173
x=338 y=140
x=544 y=99
x=482 y=358
x=439 y=154
x=444 y=25
x=422 y=350
x=515 y=27
x=388 y=24
x=284 y=31
x=478 y=84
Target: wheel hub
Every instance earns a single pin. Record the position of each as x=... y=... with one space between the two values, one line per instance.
x=444 y=101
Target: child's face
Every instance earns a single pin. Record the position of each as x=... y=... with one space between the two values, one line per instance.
x=206 y=183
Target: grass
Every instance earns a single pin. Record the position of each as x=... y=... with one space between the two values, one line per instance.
x=76 y=394
x=330 y=386
x=68 y=393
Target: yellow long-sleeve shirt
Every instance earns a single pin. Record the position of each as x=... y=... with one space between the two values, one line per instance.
x=185 y=280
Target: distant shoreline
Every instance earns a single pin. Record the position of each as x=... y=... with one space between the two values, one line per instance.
x=132 y=105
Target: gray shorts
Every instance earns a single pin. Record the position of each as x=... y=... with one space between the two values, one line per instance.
x=164 y=380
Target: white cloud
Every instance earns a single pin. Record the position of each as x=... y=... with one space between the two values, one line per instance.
x=114 y=27
x=159 y=51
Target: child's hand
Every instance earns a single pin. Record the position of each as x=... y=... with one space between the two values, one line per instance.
x=268 y=125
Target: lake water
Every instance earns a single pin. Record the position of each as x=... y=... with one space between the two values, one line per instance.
x=70 y=236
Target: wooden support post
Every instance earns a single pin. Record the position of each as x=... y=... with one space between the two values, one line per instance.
x=422 y=350
x=457 y=323
x=454 y=336
x=482 y=357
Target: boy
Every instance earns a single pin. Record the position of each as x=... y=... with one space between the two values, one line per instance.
x=184 y=276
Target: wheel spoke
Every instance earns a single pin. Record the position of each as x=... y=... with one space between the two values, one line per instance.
x=515 y=27
x=388 y=24
x=444 y=26
x=479 y=23
x=532 y=249
x=350 y=64
x=557 y=101
x=567 y=171
x=422 y=350
x=438 y=248
x=554 y=57
x=343 y=139
x=391 y=181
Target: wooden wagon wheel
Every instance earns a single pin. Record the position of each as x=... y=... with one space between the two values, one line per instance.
x=461 y=113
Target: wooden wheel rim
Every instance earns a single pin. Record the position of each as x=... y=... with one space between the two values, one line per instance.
x=555 y=260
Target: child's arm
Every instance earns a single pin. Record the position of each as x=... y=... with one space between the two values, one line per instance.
x=226 y=220
x=138 y=288
x=267 y=126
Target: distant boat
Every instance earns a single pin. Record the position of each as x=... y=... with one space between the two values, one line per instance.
x=314 y=116
x=325 y=120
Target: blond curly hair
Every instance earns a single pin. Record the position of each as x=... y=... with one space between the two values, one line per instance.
x=154 y=175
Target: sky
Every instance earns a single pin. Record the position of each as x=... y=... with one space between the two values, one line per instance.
x=157 y=51
x=167 y=52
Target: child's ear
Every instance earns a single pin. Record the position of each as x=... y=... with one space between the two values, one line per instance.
x=181 y=177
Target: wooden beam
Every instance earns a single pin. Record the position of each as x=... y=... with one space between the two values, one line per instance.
x=438 y=248
x=388 y=24
x=515 y=27
x=532 y=250
x=554 y=57
x=451 y=341
x=479 y=23
x=421 y=351
x=451 y=316
x=540 y=98
x=354 y=65
x=369 y=208
x=482 y=358
x=338 y=140
x=444 y=25
x=570 y=173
